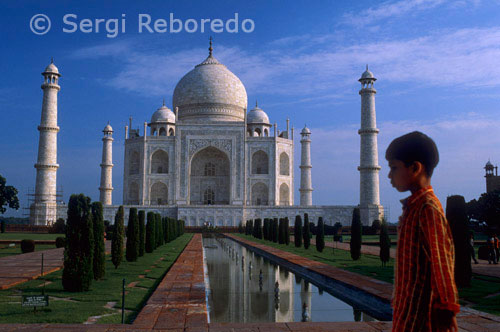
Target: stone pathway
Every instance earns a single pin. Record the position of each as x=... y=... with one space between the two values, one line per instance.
x=178 y=303
x=483 y=268
x=16 y=269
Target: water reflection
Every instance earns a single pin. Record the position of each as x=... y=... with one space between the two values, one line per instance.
x=261 y=291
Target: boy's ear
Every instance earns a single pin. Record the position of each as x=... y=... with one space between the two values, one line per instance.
x=417 y=167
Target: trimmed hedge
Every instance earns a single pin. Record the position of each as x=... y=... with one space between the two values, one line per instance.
x=27 y=246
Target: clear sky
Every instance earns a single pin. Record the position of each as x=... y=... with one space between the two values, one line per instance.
x=436 y=61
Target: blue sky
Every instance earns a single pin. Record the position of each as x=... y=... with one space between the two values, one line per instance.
x=436 y=62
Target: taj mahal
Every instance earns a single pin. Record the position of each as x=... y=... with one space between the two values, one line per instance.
x=208 y=158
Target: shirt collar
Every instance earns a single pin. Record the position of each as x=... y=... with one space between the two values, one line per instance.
x=408 y=201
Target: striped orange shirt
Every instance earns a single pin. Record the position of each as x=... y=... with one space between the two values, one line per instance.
x=424 y=271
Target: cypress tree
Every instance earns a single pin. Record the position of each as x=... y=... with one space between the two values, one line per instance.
x=307 y=232
x=160 y=230
x=297 y=232
x=150 y=233
x=258 y=228
x=78 y=253
x=275 y=230
x=166 y=233
x=2 y=227
x=132 y=246
x=142 y=233
x=356 y=232
x=117 y=240
x=287 y=231
x=171 y=228
x=264 y=229
x=320 y=235
x=385 y=243
x=99 y=248
x=456 y=213
x=281 y=227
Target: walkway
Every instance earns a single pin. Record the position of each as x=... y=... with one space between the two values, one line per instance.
x=483 y=268
x=16 y=269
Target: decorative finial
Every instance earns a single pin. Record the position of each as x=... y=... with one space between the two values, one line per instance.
x=163 y=101
x=51 y=60
x=367 y=67
x=210 y=49
x=108 y=121
x=256 y=104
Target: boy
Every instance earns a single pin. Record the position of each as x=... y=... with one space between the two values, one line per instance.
x=425 y=295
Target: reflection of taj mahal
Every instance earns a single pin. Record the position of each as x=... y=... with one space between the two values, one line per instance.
x=209 y=160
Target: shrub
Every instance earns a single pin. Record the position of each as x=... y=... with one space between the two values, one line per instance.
x=320 y=235
x=281 y=231
x=27 y=246
x=356 y=231
x=287 y=231
x=99 y=248
x=59 y=227
x=385 y=243
x=60 y=242
x=275 y=230
x=2 y=226
x=258 y=228
x=78 y=271
x=297 y=231
x=150 y=233
x=117 y=241
x=142 y=233
x=164 y=224
x=307 y=230
x=456 y=213
x=132 y=246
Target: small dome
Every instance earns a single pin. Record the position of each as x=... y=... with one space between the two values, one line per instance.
x=489 y=164
x=163 y=114
x=51 y=68
x=257 y=115
x=108 y=128
x=367 y=74
x=305 y=131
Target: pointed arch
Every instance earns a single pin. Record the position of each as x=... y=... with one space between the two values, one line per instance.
x=284 y=164
x=134 y=163
x=260 y=163
x=159 y=162
x=133 y=193
x=158 y=194
x=260 y=194
x=284 y=194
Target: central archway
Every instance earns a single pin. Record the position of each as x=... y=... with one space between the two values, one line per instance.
x=209 y=178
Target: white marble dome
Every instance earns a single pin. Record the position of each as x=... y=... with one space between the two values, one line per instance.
x=210 y=91
x=367 y=74
x=51 y=68
x=163 y=114
x=257 y=115
x=108 y=129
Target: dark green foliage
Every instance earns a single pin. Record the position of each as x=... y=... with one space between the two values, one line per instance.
x=385 y=243
x=281 y=231
x=27 y=246
x=356 y=230
x=258 y=228
x=59 y=227
x=164 y=224
x=265 y=229
x=117 y=240
x=78 y=271
x=307 y=232
x=297 y=233
x=275 y=230
x=241 y=230
x=456 y=213
x=157 y=230
x=60 y=242
x=486 y=208
x=150 y=233
x=142 y=232
x=2 y=226
x=336 y=228
x=99 y=248
x=287 y=231
x=8 y=196
x=171 y=228
x=132 y=246
x=375 y=226
x=320 y=235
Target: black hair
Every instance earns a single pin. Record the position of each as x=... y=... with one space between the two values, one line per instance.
x=413 y=147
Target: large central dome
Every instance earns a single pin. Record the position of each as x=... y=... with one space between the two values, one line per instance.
x=210 y=92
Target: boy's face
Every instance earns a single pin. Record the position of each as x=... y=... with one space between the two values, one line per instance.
x=401 y=176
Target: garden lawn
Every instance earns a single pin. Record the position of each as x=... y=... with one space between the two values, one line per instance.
x=29 y=236
x=67 y=307
x=483 y=295
x=5 y=250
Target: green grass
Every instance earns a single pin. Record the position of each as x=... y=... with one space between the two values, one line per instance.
x=475 y=296
x=29 y=236
x=83 y=305
x=367 y=265
x=365 y=238
x=5 y=250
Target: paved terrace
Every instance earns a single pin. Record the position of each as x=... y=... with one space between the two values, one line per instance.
x=16 y=269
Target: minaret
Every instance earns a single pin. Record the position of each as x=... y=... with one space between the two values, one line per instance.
x=369 y=181
x=106 y=187
x=305 y=168
x=44 y=210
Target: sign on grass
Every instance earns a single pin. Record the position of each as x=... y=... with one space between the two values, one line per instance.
x=35 y=300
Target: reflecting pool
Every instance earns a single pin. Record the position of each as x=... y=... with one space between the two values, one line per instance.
x=246 y=287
